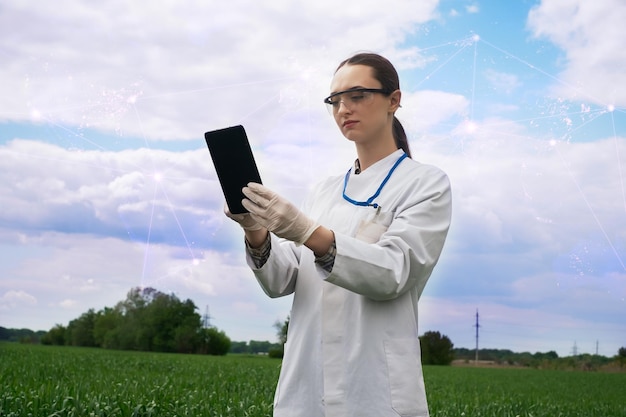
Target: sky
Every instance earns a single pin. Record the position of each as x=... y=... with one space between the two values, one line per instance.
x=106 y=183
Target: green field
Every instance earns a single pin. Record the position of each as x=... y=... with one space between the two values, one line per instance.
x=63 y=381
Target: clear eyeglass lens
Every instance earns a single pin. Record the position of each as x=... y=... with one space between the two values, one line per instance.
x=350 y=99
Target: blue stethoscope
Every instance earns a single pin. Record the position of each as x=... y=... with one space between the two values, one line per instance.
x=369 y=201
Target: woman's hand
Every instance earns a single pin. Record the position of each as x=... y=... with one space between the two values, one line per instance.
x=277 y=214
x=244 y=220
x=255 y=233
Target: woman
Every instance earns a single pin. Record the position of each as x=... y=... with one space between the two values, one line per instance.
x=356 y=259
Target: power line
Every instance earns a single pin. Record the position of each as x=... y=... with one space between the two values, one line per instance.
x=206 y=319
x=526 y=341
x=477 y=326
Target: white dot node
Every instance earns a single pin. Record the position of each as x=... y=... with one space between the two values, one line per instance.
x=158 y=177
x=476 y=38
x=610 y=108
x=470 y=127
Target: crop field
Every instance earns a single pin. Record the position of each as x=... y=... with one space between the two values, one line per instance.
x=63 y=381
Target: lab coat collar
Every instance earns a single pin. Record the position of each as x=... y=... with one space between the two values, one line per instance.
x=392 y=156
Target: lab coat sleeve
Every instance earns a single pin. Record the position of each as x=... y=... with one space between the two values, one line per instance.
x=406 y=253
x=278 y=275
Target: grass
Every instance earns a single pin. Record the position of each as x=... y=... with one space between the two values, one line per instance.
x=63 y=381
x=487 y=392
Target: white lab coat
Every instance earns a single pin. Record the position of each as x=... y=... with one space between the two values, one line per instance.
x=352 y=346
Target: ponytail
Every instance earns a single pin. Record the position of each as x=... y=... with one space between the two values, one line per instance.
x=399 y=135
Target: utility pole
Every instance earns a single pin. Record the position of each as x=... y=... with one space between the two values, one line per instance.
x=575 y=349
x=206 y=319
x=477 y=326
x=597 y=342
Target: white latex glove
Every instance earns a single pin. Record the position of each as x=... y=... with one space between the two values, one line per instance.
x=244 y=220
x=277 y=214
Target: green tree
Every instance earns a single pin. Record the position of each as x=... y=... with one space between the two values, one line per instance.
x=20 y=335
x=217 y=343
x=146 y=320
x=621 y=356
x=281 y=330
x=259 y=346
x=239 y=347
x=155 y=321
x=187 y=339
x=55 y=336
x=104 y=329
x=80 y=330
x=136 y=331
x=437 y=349
x=281 y=334
x=169 y=322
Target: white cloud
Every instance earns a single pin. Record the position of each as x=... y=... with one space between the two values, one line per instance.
x=68 y=303
x=77 y=272
x=170 y=71
x=591 y=35
x=89 y=212
x=518 y=190
x=118 y=198
x=111 y=193
x=472 y=8
x=430 y=109
x=502 y=82
x=13 y=298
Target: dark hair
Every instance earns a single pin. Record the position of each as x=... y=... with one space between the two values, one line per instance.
x=387 y=75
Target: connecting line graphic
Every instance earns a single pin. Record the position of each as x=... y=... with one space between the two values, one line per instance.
x=547 y=74
x=476 y=38
x=465 y=44
x=591 y=210
x=180 y=227
x=154 y=197
x=158 y=186
x=70 y=131
x=149 y=234
x=126 y=99
x=258 y=108
x=592 y=116
x=619 y=162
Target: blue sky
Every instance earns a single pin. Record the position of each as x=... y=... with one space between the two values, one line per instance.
x=106 y=182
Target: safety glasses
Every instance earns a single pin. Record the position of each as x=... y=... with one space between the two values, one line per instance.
x=352 y=98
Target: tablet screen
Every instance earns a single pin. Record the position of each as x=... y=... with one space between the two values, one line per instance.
x=234 y=163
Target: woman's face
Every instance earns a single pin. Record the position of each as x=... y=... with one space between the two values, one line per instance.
x=362 y=120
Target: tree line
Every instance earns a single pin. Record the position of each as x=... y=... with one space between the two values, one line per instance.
x=147 y=320
x=150 y=320
x=21 y=335
x=544 y=360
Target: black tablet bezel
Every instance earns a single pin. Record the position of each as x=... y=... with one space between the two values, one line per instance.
x=234 y=163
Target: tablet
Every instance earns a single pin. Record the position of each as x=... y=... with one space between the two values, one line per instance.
x=234 y=163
